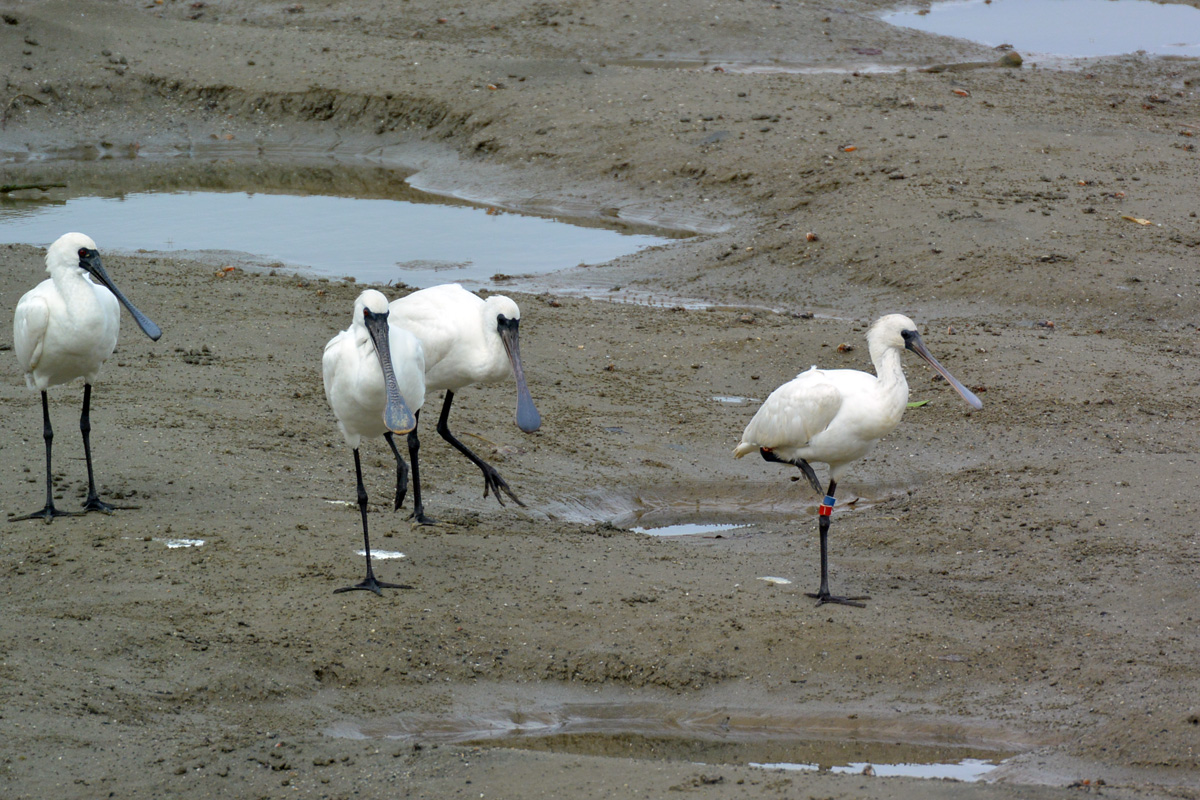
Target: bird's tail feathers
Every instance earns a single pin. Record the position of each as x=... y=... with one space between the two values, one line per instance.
x=745 y=448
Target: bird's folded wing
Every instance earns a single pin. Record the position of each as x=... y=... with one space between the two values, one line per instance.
x=29 y=331
x=795 y=412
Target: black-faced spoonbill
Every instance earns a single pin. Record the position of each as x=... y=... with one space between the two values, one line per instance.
x=835 y=416
x=467 y=340
x=66 y=328
x=375 y=383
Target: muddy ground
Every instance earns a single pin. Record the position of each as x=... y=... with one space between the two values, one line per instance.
x=1033 y=567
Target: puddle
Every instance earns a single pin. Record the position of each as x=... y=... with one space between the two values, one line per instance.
x=969 y=769
x=753 y=66
x=1064 y=28
x=770 y=740
x=333 y=214
x=689 y=529
x=372 y=240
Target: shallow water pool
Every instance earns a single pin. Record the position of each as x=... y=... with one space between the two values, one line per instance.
x=1064 y=28
x=770 y=740
x=372 y=240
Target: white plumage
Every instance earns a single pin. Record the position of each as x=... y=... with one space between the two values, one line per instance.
x=836 y=416
x=468 y=340
x=354 y=376
x=65 y=328
x=374 y=374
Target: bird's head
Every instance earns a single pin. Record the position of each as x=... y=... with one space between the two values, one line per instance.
x=893 y=330
x=78 y=251
x=372 y=301
x=73 y=250
x=502 y=312
x=899 y=332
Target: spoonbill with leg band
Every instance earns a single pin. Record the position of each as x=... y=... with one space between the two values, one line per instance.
x=836 y=416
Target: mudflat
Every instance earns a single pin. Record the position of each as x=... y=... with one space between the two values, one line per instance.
x=1032 y=566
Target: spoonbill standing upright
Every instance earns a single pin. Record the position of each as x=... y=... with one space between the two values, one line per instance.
x=374 y=376
x=467 y=340
x=835 y=416
x=66 y=328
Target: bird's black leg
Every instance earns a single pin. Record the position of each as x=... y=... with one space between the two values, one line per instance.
x=369 y=583
x=491 y=479
x=49 y=512
x=822 y=595
x=93 y=502
x=414 y=444
x=804 y=466
x=401 y=471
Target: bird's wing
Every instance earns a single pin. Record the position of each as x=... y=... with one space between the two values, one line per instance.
x=433 y=316
x=794 y=413
x=331 y=366
x=30 y=323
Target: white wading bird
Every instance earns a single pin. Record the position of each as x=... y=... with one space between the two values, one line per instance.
x=375 y=383
x=835 y=416
x=467 y=340
x=66 y=328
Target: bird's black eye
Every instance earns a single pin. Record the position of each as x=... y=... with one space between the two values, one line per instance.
x=501 y=320
x=908 y=335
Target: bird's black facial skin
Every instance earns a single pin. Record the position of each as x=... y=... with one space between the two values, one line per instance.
x=908 y=337
x=501 y=321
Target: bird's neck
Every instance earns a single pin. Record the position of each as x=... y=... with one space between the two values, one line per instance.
x=891 y=374
x=75 y=286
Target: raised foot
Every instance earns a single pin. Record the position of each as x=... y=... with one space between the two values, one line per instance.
x=492 y=482
x=47 y=514
x=822 y=599
x=369 y=584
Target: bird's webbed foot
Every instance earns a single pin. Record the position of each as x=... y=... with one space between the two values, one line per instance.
x=371 y=584
x=47 y=514
x=418 y=517
x=94 y=503
x=825 y=597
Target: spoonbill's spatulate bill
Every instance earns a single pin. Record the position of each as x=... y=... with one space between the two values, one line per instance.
x=835 y=416
x=467 y=340
x=65 y=328
x=375 y=383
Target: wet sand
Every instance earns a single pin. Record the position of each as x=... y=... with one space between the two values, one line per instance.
x=1032 y=566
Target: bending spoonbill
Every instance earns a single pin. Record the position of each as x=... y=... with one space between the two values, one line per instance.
x=375 y=382
x=66 y=328
x=835 y=416
x=467 y=340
